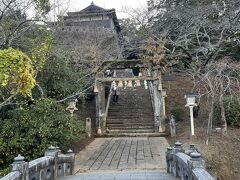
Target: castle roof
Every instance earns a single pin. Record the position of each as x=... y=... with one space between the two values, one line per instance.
x=93 y=9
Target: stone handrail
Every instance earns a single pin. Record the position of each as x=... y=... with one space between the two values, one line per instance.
x=53 y=165
x=108 y=104
x=187 y=165
x=151 y=94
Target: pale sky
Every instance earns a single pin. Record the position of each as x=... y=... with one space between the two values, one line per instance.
x=77 y=5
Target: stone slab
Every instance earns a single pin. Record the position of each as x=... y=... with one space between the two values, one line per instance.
x=122 y=153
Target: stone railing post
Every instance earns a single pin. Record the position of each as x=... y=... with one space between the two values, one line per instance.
x=53 y=152
x=20 y=165
x=58 y=150
x=187 y=165
x=191 y=149
x=169 y=159
x=88 y=127
x=196 y=161
x=177 y=148
x=71 y=154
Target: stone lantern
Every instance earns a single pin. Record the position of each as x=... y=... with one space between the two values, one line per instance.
x=72 y=105
x=191 y=98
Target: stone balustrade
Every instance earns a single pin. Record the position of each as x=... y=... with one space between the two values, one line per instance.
x=54 y=164
x=187 y=165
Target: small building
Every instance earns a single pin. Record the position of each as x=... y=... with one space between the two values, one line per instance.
x=94 y=27
x=93 y=17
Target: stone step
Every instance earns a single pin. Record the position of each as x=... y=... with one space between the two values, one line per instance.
x=123 y=127
x=131 y=131
x=133 y=105
x=130 y=127
x=124 y=175
x=127 y=111
x=127 y=117
x=127 y=124
x=152 y=134
x=130 y=119
x=124 y=121
x=135 y=97
x=132 y=115
x=129 y=107
x=131 y=111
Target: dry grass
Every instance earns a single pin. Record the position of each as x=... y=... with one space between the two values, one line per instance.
x=222 y=155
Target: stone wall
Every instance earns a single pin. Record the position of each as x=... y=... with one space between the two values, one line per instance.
x=102 y=35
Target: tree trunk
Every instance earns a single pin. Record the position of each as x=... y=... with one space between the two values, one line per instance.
x=223 y=116
x=210 y=117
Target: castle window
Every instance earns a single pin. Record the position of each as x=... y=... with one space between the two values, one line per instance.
x=85 y=19
x=105 y=17
x=96 y=18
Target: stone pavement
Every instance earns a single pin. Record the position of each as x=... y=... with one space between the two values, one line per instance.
x=126 y=175
x=122 y=153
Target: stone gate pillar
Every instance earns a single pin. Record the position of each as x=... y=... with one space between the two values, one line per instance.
x=100 y=105
x=156 y=106
x=159 y=117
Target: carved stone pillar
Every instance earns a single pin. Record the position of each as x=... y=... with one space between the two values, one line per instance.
x=71 y=154
x=20 y=165
x=53 y=152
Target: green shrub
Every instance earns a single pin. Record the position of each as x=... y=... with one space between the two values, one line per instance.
x=232 y=111
x=216 y=114
x=178 y=113
x=30 y=130
x=58 y=80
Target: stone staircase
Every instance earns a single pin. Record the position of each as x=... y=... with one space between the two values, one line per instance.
x=132 y=115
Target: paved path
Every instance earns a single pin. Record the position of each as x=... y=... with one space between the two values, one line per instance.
x=127 y=153
x=126 y=175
